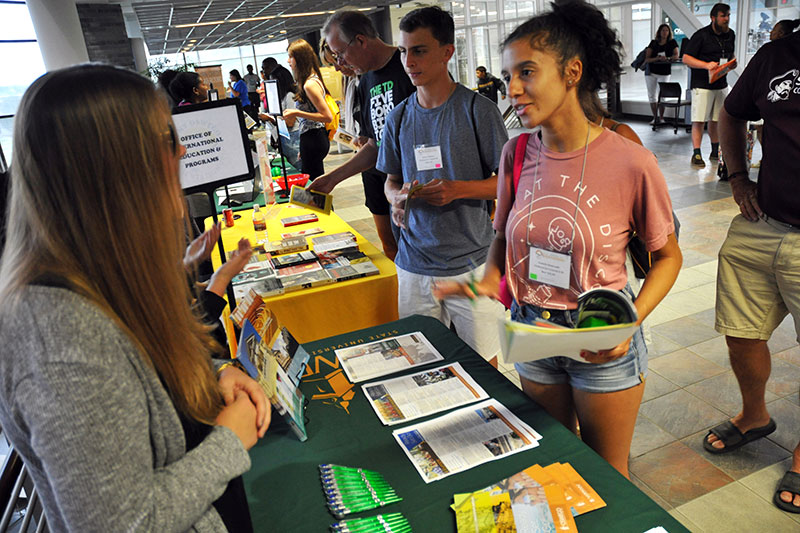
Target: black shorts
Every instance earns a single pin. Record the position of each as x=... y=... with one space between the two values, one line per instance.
x=374 y=195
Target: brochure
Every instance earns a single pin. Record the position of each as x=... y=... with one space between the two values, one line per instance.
x=720 y=70
x=536 y=499
x=605 y=319
x=425 y=393
x=381 y=358
x=465 y=438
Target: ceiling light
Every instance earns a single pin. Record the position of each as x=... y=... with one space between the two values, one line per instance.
x=283 y=31
x=270 y=36
x=255 y=19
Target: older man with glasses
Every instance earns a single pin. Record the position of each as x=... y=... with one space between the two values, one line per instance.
x=353 y=41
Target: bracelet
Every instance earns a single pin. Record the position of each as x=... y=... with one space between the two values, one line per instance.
x=224 y=366
x=741 y=172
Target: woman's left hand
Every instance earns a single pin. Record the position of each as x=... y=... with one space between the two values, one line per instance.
x=231 y=379
x=289 y=113
x=604 y=356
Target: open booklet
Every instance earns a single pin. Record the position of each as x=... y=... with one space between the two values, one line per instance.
x=606 y=318
x=425 y=393
x=387 y=356
x=465 y=438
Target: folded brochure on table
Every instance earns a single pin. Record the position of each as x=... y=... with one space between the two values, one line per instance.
x=606 y=318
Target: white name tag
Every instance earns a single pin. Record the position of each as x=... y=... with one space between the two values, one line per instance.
x=723 y=60
x=550 y=268
x=428 y=157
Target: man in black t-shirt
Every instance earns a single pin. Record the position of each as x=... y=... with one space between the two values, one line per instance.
x=758 y=279
x=354 y=41
x=488 y=85
x=709 y=48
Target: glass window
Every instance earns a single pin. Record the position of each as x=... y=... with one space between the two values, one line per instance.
x=462 y=73
x=20 y=64
x=763 y=19
x=6 y=134
x=494 y=50
x=525 y=9
x=509 y=10
x=480 y=47
x=15 y=23
x=457 y=10
x=477 y=12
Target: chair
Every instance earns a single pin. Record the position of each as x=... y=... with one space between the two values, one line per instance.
x=670 y=95
x=17 y=507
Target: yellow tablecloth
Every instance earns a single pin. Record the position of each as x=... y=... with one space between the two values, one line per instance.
x=333 y=309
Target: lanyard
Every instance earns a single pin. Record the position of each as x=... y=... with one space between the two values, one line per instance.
x=580 y=190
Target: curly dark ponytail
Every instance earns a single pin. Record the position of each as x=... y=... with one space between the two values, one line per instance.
x=575 y=29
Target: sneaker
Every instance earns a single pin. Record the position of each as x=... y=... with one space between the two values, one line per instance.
x=697 y=161
x=713 y=157
x=654 y=122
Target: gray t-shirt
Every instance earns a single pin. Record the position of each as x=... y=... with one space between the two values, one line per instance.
x=446 y=240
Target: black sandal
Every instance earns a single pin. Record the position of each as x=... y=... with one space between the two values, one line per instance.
x=733 y=439
x=789 y=483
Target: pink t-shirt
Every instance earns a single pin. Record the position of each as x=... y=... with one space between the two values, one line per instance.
x=623 y=191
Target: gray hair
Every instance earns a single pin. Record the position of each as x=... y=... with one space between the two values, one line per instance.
x=350 y=24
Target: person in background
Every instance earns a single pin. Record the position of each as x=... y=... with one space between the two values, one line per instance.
x=286 y=92
x=251 y=80
x=312 y=112
x=581 y=193
x=708 y=48
x=237 y=88
x=164 y=80
x=783 y=28
x=354 y=43
x=488 y=85
x=351 y=107
x=661 y=50
x=189 y=88
x=109 y=393
x=448 y=139
x=757 y=276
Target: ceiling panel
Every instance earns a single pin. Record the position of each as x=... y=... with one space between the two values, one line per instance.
x=159 y=21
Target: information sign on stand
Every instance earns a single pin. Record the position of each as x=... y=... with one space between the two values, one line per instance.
x=274 y=109
x=217 y=151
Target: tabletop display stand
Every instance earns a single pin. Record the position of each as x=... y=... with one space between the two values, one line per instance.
x=274 y=101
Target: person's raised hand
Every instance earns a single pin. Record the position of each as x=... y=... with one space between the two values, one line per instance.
x=323 y=183
x=221 y=277
x=240 y=417
x=200 y=249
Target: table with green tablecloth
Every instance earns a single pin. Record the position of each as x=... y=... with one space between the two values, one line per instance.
x=283 y=487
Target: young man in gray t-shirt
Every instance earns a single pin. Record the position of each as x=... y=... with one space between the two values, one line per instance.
x=449 y=140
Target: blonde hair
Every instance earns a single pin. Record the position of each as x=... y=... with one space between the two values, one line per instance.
x=306 y=63
x=95 y=203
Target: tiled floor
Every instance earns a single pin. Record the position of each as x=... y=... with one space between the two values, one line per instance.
x=690 y=386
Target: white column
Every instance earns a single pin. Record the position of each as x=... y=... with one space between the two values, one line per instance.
x=58 y=30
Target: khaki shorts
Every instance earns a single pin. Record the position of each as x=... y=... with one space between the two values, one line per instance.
x=758 y=279
x=707 y=103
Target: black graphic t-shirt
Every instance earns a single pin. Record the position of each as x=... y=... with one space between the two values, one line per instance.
x=769 y=88
x=379 y=91
x=706 y=45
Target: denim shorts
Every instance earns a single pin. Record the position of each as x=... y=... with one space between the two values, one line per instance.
x=620 y=374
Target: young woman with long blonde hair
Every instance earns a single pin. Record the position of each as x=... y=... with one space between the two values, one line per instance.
x=109 y=393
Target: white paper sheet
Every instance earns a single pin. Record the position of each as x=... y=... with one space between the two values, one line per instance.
x=425 y=393
x=465 y=438
x=387 y=356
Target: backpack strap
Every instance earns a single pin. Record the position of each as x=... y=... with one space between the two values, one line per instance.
x=484 y=172
x=519 y=158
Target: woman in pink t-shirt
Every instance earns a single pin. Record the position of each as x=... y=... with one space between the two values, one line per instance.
x=583 y=190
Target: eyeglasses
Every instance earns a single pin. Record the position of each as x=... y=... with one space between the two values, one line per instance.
x=173 y=137
x=337 y=56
